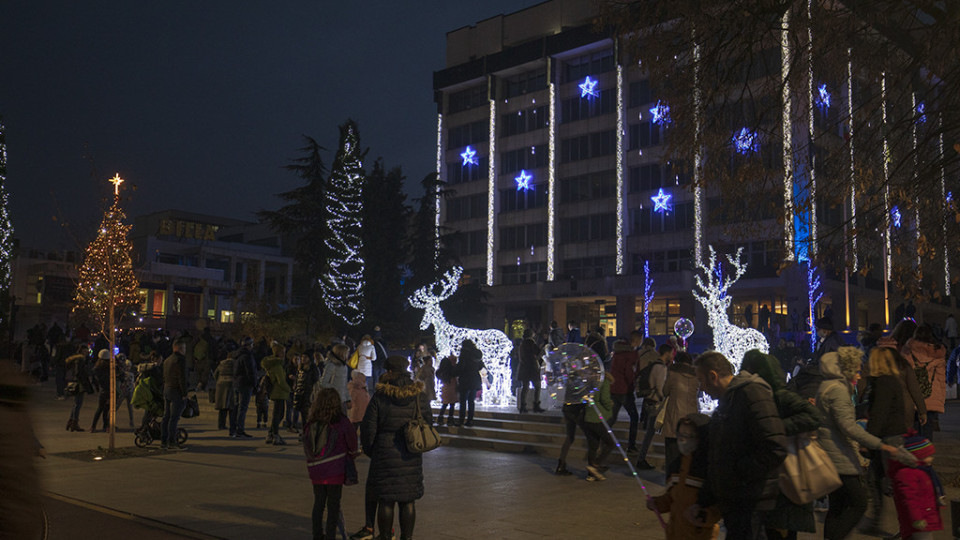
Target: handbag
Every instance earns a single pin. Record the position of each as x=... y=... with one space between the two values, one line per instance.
x=191 y=407
x=807 y=473
x=419 y=435
x=661 y=414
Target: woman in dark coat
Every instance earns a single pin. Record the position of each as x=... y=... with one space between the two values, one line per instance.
x=799 y=416
x=79 y=364
x=396 y=475
x=468 y=379
x=224 y=393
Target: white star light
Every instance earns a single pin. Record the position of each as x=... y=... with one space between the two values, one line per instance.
x=588 y=88
x=469 y=157
x=523 y=181
x=661 y=201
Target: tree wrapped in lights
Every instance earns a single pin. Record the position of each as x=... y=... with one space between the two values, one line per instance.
x=648 y=295
x=728 y=339
x=494 y=345
x=342 y=281
x=814 y=294
x=108 y=286
x=6 y=232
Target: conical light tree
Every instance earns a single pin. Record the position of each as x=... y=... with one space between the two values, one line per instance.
x=6 y=232
x=342 y=281
x=107 y=282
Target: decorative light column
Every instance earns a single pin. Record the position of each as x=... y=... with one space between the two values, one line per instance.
x=886 y=201
x=697 y=156
x=551 y=183
x=491 y=187
x=853 y=188
x=436 y=219
x=787 y=125
x=812 y=165
x=945 y=199
x=621 y=203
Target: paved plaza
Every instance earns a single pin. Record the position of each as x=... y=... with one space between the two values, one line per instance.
x=245 y=490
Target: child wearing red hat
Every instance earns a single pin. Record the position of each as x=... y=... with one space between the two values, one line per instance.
x=917 y=491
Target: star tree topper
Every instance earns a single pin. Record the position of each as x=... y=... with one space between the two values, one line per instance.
x=116 y=181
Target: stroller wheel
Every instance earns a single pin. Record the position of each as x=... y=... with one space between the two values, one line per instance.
x=181 y=435
x=141 y=441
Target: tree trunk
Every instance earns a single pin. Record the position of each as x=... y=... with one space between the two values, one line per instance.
x=111 y=339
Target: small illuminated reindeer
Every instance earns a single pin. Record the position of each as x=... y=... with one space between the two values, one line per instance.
x=493 y=344
x=729 y=339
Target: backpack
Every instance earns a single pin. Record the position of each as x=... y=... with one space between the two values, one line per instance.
x=644 y=387
x=923 y=377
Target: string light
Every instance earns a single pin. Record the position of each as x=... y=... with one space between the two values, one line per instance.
x=697 y=156
x=661 y=201
x=589 y=88
x=6 y=227
x=814 y=294
x=812 y=165
x=661 y=113
x=436 y=198
x=621 y=203
x=947 y=199
x=648 y=294
x=469 y=157
x=491 y=188
x=786 y=125
x=746 y=141
x=342 y=284
x=730 y=340
x=853 y=187
x=888 y=273
x=494 y=345
x=823 y=97
x=523 y=181
x=921 y=112
x=895 y=216
x=551 y=186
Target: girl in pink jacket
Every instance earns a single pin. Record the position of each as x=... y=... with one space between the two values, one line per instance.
x=917 y=491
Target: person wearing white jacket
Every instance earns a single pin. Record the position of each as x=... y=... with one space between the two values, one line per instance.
x=367 y=354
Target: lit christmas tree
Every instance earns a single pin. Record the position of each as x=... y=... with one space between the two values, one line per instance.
x=6 y=232
x=107 y=283
x=342 y=281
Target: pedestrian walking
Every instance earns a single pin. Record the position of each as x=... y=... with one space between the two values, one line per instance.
x=928 y=358
x=330 y=445
x=101 y=378
x=528 y=371
x=174 y=394
x=246 y=381
x=681 y=394
x=599 y=441
x=624 y=367
x=917 y=491
x=279 y=391
x=225 y=393
x=650 y=383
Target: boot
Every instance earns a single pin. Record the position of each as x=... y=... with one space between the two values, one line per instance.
x=270 y=438
x=76 y=426
x=278 y=440
x=562 y=469
x=69 y=424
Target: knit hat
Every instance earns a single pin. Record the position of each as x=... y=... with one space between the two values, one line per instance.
x=920 y=447
x=396 y=363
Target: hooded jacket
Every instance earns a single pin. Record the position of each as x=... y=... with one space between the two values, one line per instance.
x=273 y=365
x=396 y=475
x=798 y=415
x=747 y=444
x=335 y=376
x=684 y=480
x=624 y=368
x=914 y=497
x=683 y=392
x=934 y=359
x=839 y=421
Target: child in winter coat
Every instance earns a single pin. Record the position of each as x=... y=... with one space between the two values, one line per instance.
x=684 y=478
x=917 y=491
x=359 y=398
x=330 y=444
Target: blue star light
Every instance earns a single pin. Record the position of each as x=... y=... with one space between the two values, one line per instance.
x=949 y=196
x=523 y=181
x=921 y=112
x=745 y=141
x=823 y=97
x=661 y=201
x=895 y=216
x=589 y=88
x=469 y=157
x=661 y=113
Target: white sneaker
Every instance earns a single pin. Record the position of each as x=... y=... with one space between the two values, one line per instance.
x=595 y=473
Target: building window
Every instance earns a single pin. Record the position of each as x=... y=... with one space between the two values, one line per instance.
x=639 y=93
x=524 y=83
x=515 y=274
x=186 y=304
x=470 y=243
x=583 y=147
x=644 y=135
x=598 y=185
x=467 y=99
x=645 y=178
x=153 y=302
x=226 y=317
x=575 y=69
x=588 y=267
x=458 y=173
x=473 y=133
x=646 y=221
x=523 y=236
x=673 y=260
x=577 y=108
x=528 y=157
x=523 y=121
x=467 y=207
x=512 y=199
x=588 y=228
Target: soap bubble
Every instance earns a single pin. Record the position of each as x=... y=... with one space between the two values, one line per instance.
x=578 y=369
x=683 y=328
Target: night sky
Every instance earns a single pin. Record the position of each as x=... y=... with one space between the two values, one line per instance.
x=200 y=104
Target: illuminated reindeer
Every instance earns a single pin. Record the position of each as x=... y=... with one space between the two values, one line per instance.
x=729 y=339
x=493 y=344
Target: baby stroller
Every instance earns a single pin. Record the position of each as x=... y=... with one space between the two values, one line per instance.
x=148 y=395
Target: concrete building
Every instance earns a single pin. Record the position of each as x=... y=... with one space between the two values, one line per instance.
x=546 y=134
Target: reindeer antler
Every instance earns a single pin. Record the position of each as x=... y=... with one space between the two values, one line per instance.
x=425 y=296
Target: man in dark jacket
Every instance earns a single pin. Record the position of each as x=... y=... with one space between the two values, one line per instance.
x=174 y=394
x=246 y=380
x=830 y=341
x=528 y=371
x=747 y=444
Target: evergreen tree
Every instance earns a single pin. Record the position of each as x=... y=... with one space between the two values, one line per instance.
x=342 y=282
x=6 y=233
x=428 y=260
x=108 y=286
x=385 y=217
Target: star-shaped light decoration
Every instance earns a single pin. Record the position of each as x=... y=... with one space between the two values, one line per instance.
x=523 y=181
x=116 y=181
x=823 y=97
x=921 y=112
x=469 y=157
x=589 y=88
x=745 y=141
x=895 y=216
x=661 y=113
x=661 y=201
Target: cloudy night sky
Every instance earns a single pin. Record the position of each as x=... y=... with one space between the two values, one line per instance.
x=200 y=104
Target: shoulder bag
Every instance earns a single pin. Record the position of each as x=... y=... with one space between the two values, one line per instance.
x=419 y=435
x=807 y=473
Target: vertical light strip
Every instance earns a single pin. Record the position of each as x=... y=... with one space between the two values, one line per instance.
x=886 y=174
x=697 y=157
x=787 y=127
x=916 y=165
x=620 y=199
x=946 y=208
x=853 y=188
x=813 y=158
x=436 y=222
x=551 y=184
x=491 y=187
